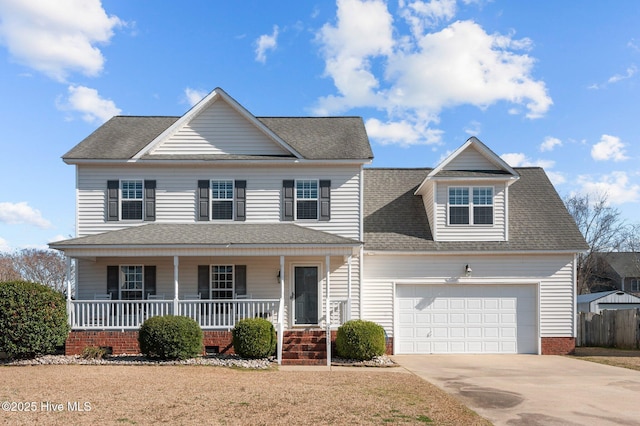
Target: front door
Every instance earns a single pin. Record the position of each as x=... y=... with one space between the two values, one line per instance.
x=306 y=295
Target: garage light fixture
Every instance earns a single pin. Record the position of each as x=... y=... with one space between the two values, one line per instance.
x=467 y=271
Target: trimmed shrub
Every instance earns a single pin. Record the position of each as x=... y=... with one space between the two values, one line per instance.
x=360 y=340
x=254 y=338
x=33 y=319
x=170 y=337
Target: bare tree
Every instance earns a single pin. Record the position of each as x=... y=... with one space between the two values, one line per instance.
x=46 y=267
x=8 y=271
x=603 y=228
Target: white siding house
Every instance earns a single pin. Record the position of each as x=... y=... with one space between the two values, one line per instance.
x=220 y=215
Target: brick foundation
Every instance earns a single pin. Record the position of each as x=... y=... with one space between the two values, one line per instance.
x=126 y=342
x=558 y=345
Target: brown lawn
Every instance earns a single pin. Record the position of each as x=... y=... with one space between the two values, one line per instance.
x=626 y=358
x=214 y=395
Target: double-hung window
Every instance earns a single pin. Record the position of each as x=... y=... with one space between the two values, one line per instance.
x=307 y=199
x=222 y=281
x=222 y=199
x=635 y=285
x=132 y=199
x=470 y=205
x=131 y=282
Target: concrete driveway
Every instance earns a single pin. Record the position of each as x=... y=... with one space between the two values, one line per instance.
x=534 y=389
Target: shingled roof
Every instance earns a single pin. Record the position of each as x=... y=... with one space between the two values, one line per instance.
x=395 y=218
x=315 y=138
x=209 y=234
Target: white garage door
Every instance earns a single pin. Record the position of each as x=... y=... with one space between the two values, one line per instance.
x=466 y=319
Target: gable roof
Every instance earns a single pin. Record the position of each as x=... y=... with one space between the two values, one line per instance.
x=395 y=219
x=625 y=264
x=128 y=138
x=590 y=297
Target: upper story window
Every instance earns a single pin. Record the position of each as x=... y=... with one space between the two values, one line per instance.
x=222 y=199
x=306 y=199
x=470 y=205
x=131 y=199
x=131 y=202
x=635 y=285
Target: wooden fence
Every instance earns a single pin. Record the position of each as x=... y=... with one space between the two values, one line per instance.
x=616 y=328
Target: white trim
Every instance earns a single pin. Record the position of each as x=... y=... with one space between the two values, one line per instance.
x=212 y=97
x=327 y=304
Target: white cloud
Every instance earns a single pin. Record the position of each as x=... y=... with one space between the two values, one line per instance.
x=473 y=128
x=194 y=95
x=556 y=178
x=88 y=102
x=402 y=133
x=56 y=37
x=266 y=42
x=630 y=72
x=609 y=148
x=550 y=143
x=22 y=213
x=4 y=246
x=413 y=77
x=616 y=185
x=521 y=160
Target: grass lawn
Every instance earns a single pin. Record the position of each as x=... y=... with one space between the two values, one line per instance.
x=214 y=395
x=627 y=358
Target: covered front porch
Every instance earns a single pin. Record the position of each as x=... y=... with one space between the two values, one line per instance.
x=296 y=286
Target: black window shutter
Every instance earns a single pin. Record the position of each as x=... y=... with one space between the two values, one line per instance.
x=203 y=200
x=113 y=190
x=325 y=200
x=113 y=281
x=241 y=200
x=203 y=281
x=149 y=280
x=287 y=200
x=241 y=279
x=150 y=200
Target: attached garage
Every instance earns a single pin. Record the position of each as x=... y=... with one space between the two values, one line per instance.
x=466 y=318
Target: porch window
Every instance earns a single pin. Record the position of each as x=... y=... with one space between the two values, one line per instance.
x=222 y=281
x=131 y=199
x=307 y=199
x=635 y=285
x=222 y=199
x=474 y=210
x=131 y=282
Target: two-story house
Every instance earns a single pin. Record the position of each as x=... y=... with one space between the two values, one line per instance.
x=220 y=215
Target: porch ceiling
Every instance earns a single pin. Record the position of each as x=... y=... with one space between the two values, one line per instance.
x=164 y=236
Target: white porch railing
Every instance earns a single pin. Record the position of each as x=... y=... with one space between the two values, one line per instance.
x=338 y=310
x=130 y=314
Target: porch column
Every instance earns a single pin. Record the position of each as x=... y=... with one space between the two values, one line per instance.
x=327 y=265
x=348 y=316
x=281 y=312
x=69 y=310
x=175 y=285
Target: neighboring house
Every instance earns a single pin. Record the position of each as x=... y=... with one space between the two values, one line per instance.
x=220 y=215
x=617 y=271
x=615 y=299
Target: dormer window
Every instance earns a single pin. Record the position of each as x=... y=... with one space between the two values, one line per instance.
x=476 y=209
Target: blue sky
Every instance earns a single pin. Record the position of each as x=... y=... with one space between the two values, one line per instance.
x=545 y=83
